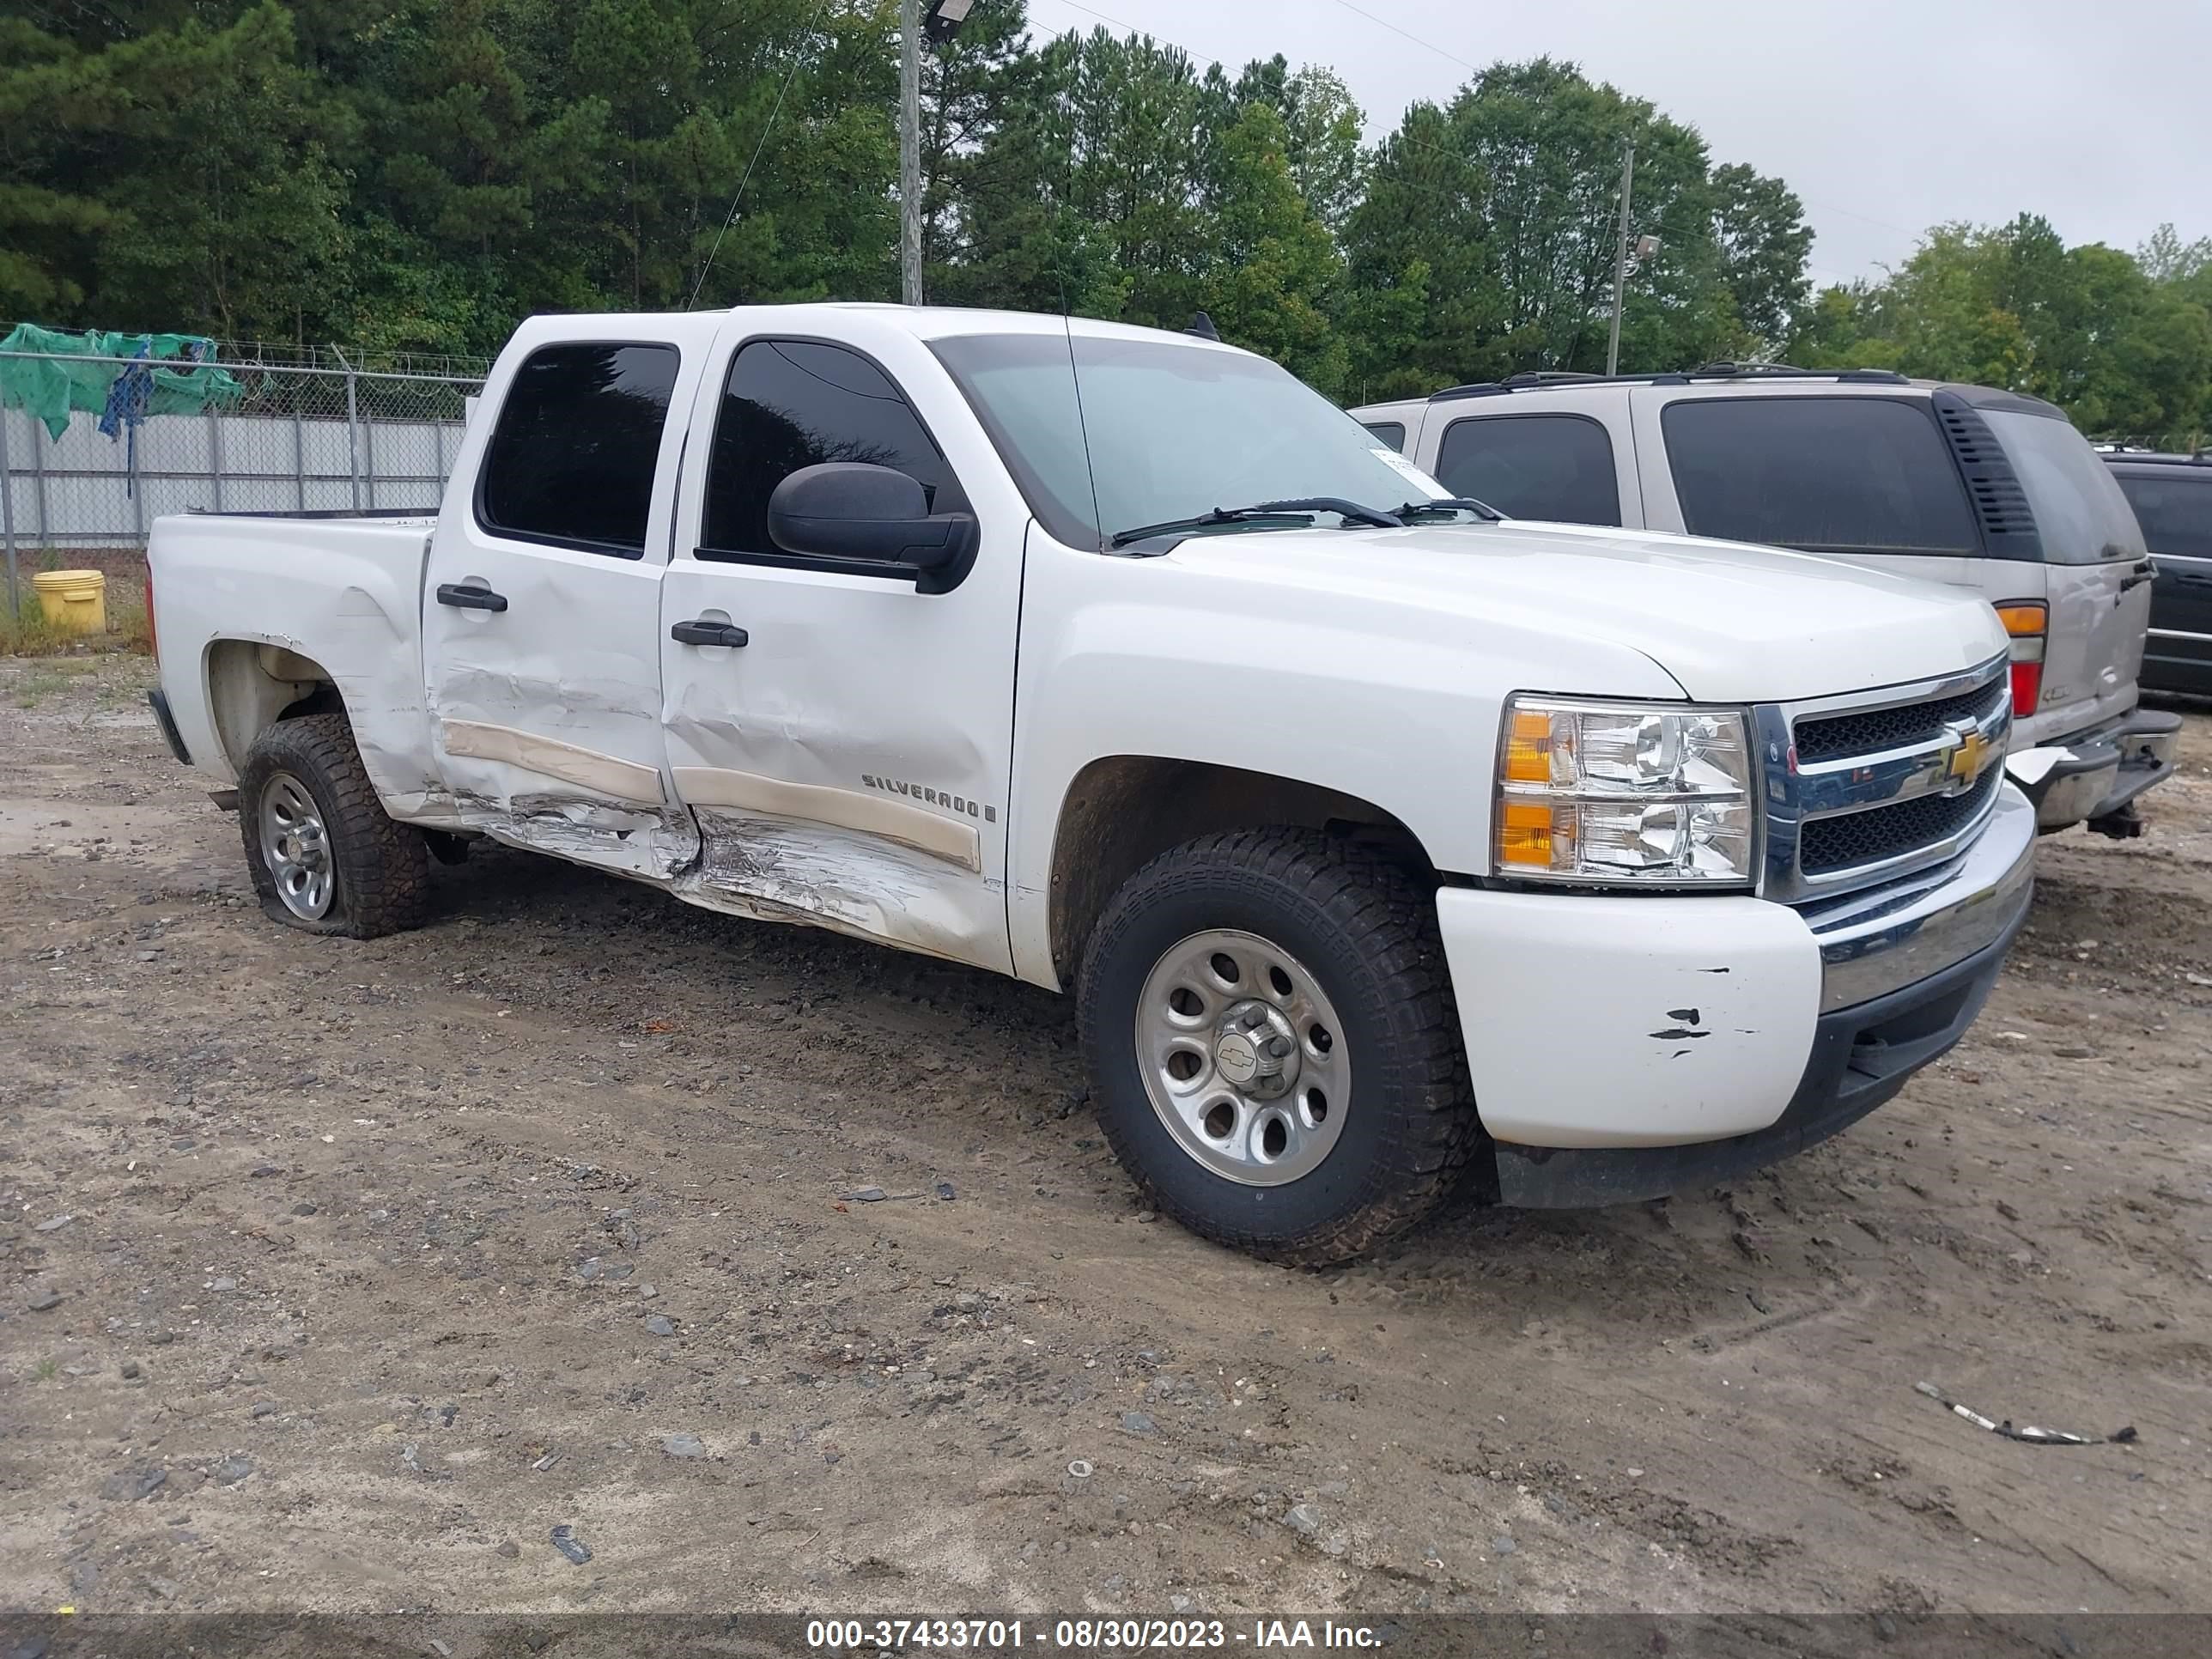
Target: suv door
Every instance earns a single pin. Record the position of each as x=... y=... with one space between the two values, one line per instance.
x=849 y=762
x=1862 y=477
x=1558 y=465
x=543 y=603
x=1880 y=478
x=2172 y=502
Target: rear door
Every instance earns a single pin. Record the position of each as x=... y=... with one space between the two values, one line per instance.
x=542 y=609
x=2172 y=504
x=1863 y=477
x=849 y=763
x=2097 y=572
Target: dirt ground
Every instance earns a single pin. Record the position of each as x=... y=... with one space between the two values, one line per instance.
x=377 y=1263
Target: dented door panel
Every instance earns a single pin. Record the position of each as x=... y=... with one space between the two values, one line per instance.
x=545 y=705
x=849 y=765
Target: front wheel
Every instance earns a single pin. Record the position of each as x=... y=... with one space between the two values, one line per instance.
x=1273 y=1044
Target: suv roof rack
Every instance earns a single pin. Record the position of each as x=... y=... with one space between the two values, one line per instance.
x=1531 y=380
x=2156 y=458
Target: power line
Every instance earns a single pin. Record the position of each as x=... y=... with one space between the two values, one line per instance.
x=1428 y=45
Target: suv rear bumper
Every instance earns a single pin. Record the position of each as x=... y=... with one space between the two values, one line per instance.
x=2099 y=772
x=1621 y=1049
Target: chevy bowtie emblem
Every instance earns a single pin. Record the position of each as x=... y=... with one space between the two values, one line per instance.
x=1969 y=750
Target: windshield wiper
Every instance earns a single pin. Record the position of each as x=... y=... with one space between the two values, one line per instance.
x=1482 y=510
x=1304 y=506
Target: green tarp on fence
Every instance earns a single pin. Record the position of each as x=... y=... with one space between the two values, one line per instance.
x=51 y=385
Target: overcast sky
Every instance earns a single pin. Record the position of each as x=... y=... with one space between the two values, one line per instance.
x=1885 y=116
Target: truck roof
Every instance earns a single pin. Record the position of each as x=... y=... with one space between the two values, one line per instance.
x=925 y=322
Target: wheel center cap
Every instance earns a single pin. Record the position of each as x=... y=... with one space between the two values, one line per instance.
x=1255 y=1050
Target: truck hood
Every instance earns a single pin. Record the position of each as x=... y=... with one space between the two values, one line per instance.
x=1728 y=622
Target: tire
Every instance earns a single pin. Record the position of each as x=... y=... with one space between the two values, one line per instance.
x=308 y=771
x=1364 y=933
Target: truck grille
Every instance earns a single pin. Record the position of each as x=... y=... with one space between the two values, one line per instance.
x=1860 y=790
x=1881 y=833
x=1880 y=729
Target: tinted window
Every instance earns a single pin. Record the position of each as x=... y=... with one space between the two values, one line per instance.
x=1534 y=466
x=2080 y=513
x=572 y=459
x=1392 y=433
x=1847 y=474
x=2174 y=508
x=790 y=404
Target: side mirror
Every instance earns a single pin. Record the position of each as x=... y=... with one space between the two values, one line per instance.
x=852 y=510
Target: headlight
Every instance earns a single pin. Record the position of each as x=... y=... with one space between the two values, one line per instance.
x=1617 y=792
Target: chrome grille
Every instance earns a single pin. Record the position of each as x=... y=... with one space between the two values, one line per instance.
x=1860 y=790
x=1883 y=833
x=1879 y=729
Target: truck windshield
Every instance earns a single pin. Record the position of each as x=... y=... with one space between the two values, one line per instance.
x=1163 y=432
x=2083 y=516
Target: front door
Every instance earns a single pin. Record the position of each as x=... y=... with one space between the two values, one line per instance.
x=849 y=762
x=542 y=609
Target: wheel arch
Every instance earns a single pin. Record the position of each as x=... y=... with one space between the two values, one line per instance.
x=1120 y=812
x=252 y=683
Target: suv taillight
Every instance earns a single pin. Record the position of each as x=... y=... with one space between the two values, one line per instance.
x=2025 y=623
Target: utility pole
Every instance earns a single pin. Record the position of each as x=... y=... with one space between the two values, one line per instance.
x=910 y=151
x=1620 y=248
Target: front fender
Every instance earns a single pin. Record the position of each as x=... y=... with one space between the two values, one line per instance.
x=1358 y=694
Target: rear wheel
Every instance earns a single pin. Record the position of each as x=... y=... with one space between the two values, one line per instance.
x=323 y=854
x=1273 y=1047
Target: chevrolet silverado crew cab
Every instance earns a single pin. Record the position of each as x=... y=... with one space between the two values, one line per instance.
x=1987 y=490
x=1383 y=842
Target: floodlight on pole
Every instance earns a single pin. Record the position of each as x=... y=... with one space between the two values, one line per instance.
x=938 y=21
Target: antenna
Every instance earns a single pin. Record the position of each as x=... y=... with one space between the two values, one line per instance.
x=1082 y=425
x=730 y=217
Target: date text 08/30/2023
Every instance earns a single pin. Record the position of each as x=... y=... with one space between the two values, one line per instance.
x=1086 y=1635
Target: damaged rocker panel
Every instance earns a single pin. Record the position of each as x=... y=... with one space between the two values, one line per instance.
x=844 y=809
x=588 y=768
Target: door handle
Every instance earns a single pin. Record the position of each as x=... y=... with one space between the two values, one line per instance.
x=2138 y=576
x=702 y=632
x=466 y=597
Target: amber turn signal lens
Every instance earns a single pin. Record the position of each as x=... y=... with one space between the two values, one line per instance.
x=1528 y=747
x=2024 y=621
x=1524 y=835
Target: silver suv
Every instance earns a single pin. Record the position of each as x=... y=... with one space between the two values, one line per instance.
x=1960 y=484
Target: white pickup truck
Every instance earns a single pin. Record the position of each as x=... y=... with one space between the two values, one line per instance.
x=1386 y=845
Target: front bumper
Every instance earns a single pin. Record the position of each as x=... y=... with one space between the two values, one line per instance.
x=1621 y=1048
x=2094 y=773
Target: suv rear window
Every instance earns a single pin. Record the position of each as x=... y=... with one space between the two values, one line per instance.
x=1534 y=466
x=2175 y=508
x=2079 y=513
x=1841 y=475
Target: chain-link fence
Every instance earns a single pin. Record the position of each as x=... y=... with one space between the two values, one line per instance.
x=293 y=435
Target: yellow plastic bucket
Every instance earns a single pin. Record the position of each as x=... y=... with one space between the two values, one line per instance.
x=74 y=601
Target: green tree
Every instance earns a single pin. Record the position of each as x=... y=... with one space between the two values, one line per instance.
x=1509 y=197
x=2088 y=327
x=1273 y=270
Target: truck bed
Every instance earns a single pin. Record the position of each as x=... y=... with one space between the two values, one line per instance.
x=250 y=609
